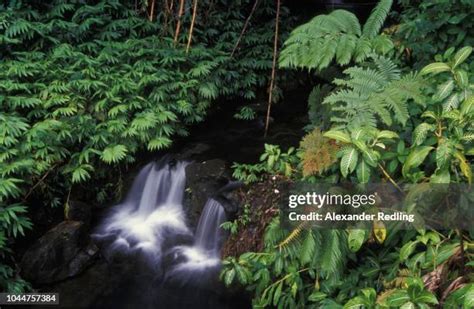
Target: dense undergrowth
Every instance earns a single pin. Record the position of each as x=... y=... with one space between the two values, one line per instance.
x=89 y=86
x=380 y=120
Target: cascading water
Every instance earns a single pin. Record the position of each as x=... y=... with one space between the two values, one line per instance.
x=181 y=269
x=208 y=233
x=151 y=212
x=204 y=253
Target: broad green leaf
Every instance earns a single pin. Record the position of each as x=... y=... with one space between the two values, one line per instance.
x=429 y=114
x=356 y=238
x=420 y=133
x=380 y=231
x=435 y=68
x=444 y=90
x=464 y=166
x=408 y=305
x=277 y=294
x=357 y=302
x=338 y=136
x=452 y=102
x=426 y=297
x=444 y=152
x=461 y=55
x=415 y=158
x=370 y=156
x=398 y=298
x=363 y=172
x=317 y=296
x=467 y=106
x=462 y=78
x=441 y=176
x=349 y=161
x=407 y=249
x=387 y=134
x=229 y=277
x=469 y=298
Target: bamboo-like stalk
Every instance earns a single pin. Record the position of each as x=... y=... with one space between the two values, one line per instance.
x=272 y=79
x=167 y=10
x=244 y=29
x=387 y=175
x=190 y=36
x=152 y=10
x=178 y=25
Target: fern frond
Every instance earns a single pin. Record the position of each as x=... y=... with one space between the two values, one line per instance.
x=374 y=93
x=326 y=37
x=292 y=237
x=377 y=18
x=331 y=259
x=387 y=68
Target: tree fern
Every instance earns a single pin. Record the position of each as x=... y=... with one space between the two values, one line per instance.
x=332 y=256
x=338 y=37
x=325 y=250
x=376 y=19
x=373 y=94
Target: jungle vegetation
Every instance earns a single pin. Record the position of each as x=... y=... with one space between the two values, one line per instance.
x=89 y=86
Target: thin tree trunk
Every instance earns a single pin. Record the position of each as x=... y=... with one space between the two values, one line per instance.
x=244 y=29
x=190 y=36
x=178 y=25
x=272 y=79
x=167 y=11
x=152 y=10
x=461 y=247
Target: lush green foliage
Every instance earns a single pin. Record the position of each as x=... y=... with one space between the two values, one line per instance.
x=272 y=161
x=448 y=126
x=410 y=127
x=89 y=85
x=373 y=94
x=337 y=36
x=430 y=27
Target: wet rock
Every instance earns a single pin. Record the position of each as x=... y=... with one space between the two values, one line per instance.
x=203 y=180
x=92 y=286
x=229 y=198
x=78 y=211
x=193 y=151
x=63 y=252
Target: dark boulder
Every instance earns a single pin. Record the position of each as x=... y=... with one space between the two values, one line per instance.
x=90 y=288
x=78 y=211
x=193 y=152
x=64 y=251
x=203 y=180
x=228 y=196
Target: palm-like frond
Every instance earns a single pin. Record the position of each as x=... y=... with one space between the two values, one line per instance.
x=338 y=37
x=376 y=19
x=374 y=94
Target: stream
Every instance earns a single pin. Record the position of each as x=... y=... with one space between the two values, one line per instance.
x=176 y=267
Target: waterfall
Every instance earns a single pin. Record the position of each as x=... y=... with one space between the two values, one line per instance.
x=200 y=262
x=208 y=233
x=151 y=222
x=151 y=212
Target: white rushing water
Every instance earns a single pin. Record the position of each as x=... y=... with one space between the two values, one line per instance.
x=153 y=213
x=204 y=253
